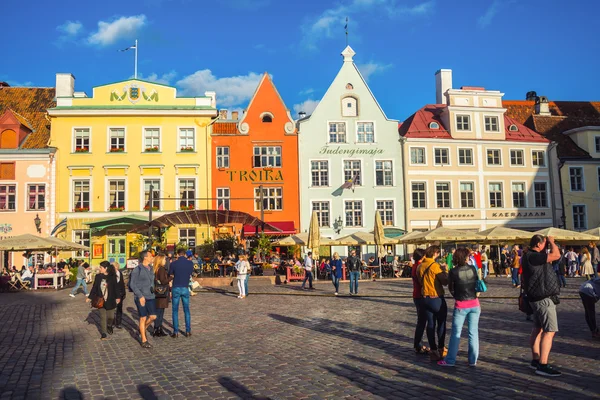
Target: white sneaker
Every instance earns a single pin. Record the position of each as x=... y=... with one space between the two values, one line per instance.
x=71 y=294
x=336 y=293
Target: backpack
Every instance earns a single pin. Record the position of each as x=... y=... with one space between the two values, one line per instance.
x=131 y=276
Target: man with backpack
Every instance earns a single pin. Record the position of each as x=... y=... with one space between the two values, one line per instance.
x=141 y=283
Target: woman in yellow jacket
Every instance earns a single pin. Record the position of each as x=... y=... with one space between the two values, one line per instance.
x=433 y=279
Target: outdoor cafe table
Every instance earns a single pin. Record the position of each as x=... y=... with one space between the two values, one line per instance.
x=58 y=277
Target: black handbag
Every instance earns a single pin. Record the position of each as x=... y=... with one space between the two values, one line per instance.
x=161 y=291
x=524 y=305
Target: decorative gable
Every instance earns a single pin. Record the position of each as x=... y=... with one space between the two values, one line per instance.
x=13 y=129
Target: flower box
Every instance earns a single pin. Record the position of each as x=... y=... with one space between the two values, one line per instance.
x=187 y=149
x=152 y=149
x=147 y=208
x=117 y=149
x=116 y=209
x=186 y=208
x=292 y=275
x=81 y=209
x=82 y=150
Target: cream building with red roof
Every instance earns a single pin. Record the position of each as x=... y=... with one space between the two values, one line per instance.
x=468 y=163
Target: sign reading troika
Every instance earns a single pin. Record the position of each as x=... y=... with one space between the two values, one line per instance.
x=351 y=151
x=262 y=175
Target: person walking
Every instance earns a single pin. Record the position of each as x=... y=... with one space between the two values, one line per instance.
x=590 y=294
x=572 y=262
x=449 y=258
x=105 y=287
x=161 y=277
x=353 y=265
x=542 y=288
x=433 y=279
x=242 y=267
x=81 y=279
x=181 y=269
x=461 y=283
x=417 y=258
x=560 y=267
x=122 y=292
x=587 y=269
x=141 y=283
x=336 y=272
x=308 y=265
x=484 y=262
x=514 y=268
x=595 y=255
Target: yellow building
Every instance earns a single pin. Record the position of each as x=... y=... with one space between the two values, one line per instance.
x=116 y=145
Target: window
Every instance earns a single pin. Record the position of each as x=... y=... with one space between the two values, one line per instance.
x=383 y=173
x=222 y=157
x=518 y=192
x=116 y=194
x=491 y=124
x=320 y=173
x=155 y=183
x=82 y=237
x=267 y=118
x=538 y=158
x=495 y=195
x=188 y=236
x=7 y=170
x=465 y=156
x=467 y=195
x=337 y=132
x=322 y=209
x=353 y=213
x=352 y=171
x=187 y=140
x=494 y=157
x=365 y=132
x=117 y=139
x=513 y=128
x=267 y=156
x=349 y=107
x=417 y=155
x=223 y=199
x=272 y=199
x=434 y=125
x=419 y=195
x=517 y=158
x=579 y=218
x=597 y=142
x=151 y=139
x=37 y=197
x=463 y=123
x=386 y=210
x=576 y=175
x=540 y=191
x=81 y=195
x=187 y=194
x=82 y=140
x=441 y=156
x=8 y=197
x=442 y=194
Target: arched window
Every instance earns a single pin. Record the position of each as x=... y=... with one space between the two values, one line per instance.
x=266 y=117
x=349 y=107
x=8 y=139
x=513 y=128
x=434 y=125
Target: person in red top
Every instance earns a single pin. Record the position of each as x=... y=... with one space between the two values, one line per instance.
x=418 y=256
x=477 y=257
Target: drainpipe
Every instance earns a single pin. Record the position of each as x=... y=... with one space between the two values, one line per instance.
x=551 y=147
x=402 y=141
x=563 y=217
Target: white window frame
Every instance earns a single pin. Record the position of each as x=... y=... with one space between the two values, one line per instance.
x=487 y=161
x=472 y=155
x=268 y=155
x=179 y=145
x=107 y=180
x=73 y=138
x=160 y=136
x=585 y=222
x=460 y=192
x=362 y=213
x=545 y=194
x=582 y=178
x=32 y=210
x=143 y=191
x=81 y=253
x=361 y=175
x=310 y=173
x=337 y=133
x=449 y=183
x=178 y=180
x=522 y=156
x=384 y=170
x=497 y=124
x=470 y=122
x=501 y=194
x=383 y=220
x=220 y=195
x=267 y=188
x=447 y=154
x=345 y=107
x=109 y=138
x=424 y=193
x=356 y=130
x=410 y=149
x=222 y=157
x=187 y=237
x=512 y=192
x=72 y=181
x=543 y=152
x=16 y=202
x=312 y=208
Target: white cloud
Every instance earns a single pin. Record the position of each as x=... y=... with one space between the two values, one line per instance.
x=306 y=92
x=120 y=28
x=231 y=91
x=372 y=68
x=334 y=19
x=70 y=28
x=165 y=79
x=307 y=106
x=489 y=14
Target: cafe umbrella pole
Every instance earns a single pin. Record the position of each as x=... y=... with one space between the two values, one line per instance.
x=150 y=198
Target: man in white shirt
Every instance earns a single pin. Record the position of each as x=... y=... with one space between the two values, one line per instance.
x=28 y=275
x=308 y=265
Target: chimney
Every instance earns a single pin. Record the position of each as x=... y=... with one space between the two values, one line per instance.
x=443 y=82
x=223 y=113
x=531 y=96
x=542 y=106
x=301 y=114
x=65 y=85
x=234 y=115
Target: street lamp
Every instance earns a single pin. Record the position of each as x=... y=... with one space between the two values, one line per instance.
x=563 y=221
x=38 y=223
x=337 y=225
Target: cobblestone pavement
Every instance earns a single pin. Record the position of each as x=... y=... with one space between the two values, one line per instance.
x=285 y=344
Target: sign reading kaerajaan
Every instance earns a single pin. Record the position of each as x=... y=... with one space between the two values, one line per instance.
x=350 y=151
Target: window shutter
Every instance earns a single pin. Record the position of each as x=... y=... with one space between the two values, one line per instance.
x=7 y=170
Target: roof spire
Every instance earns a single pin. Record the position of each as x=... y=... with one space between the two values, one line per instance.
x=348 y=54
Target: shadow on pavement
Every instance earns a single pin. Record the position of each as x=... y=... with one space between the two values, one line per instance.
x=70 y=393
x=146 y=392
x=238 y=389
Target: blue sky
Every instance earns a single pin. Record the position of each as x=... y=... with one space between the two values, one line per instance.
x=509 y=45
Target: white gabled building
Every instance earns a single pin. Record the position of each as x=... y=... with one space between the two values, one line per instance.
x=349 y=138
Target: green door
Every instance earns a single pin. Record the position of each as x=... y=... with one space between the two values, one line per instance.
x=117 y=250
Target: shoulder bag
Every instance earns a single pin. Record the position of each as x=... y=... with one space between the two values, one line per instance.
x=480 y=286
x=98 y=301
x=160 y=291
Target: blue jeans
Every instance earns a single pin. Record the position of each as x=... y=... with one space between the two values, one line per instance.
x=484 y=269
x=561 y=279
x=354 y=275
x=336 y=282
x=421 y=322
x=595 y=266
x=308 y=277
x=246 y=284
x=160 y=314
x=515 y=276
x=183 y=294
x=436 y=312
x=80 y=282
x=458 y=320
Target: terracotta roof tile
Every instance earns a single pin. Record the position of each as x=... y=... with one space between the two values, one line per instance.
x=30 y=105
x=225 y=128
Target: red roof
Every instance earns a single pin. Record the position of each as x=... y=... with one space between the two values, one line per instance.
x=286 y=227
x=418 y=125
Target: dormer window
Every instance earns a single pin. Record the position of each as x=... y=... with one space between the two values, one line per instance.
x=349 y=107
x=513 y=128
x=434 y=125
x=267 y=118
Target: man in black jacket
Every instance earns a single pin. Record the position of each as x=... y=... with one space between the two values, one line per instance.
x=353 y=265
x=541 y=285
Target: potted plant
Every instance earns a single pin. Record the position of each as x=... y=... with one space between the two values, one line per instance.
x=153 y=149
x=186 y=149
x=81 y=209
x=188 y=207
x=117 y=149
x=147 y=208
x=116 y=208
x=269 y=269
x=83 y=149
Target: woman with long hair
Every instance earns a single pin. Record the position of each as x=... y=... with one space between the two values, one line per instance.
x=105 y=286
x=336 y=271
x=462 y=281
x=160 y=278
x=242 y=270
x=587 y=269
x=417 y=257
x=514 y=268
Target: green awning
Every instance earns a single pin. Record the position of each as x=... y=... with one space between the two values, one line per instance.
x=393 y=232
x=120 y=220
